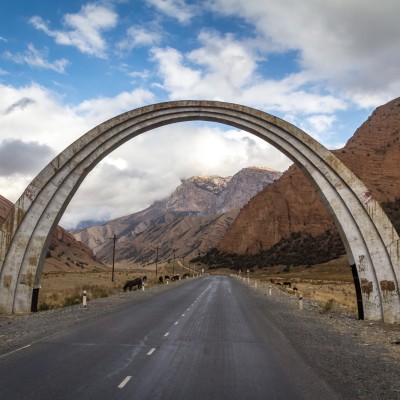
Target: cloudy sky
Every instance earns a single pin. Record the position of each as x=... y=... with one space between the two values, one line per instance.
x=66 y=66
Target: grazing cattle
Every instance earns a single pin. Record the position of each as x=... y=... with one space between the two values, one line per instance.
x=144 y=279
x=175 y=278
x=135 y=282
x=185 y=276
x=167 y=278
x=288 y=284
x=160 y=279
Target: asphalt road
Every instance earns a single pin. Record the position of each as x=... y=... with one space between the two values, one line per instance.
x=203 y=340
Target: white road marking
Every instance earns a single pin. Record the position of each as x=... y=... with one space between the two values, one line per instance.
x=166 y=334
x=183 y=315
x=188 y=309
x=124 y=382
x=151 y=351
x=176 y=323
x=14 y=351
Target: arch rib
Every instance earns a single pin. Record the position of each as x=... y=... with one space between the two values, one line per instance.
x=370 y=239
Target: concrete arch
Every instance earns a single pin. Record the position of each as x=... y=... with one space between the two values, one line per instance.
x=371 y=242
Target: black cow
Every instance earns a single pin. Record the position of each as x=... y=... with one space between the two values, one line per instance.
x=144 y=279
x=167 y=278
x=175 y=278
x=186 y=276
x=160 y=279
x=135 y=282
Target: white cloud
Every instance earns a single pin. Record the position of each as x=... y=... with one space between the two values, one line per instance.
x=36 y=59
x=177 y=9
x=35 y=113
x=84 y=29
x=138 y=36
x=224 y=69
x=350 y=45
x=103 y=108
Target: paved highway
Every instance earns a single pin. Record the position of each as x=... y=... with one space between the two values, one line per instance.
x=203 y=340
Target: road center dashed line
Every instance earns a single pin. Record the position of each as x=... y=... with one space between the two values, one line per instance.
x=124 y=382
x=151 y=351
x=166 y=334
x=183 y=315
x=176 y=323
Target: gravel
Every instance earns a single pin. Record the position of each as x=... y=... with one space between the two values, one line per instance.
x=359 y=359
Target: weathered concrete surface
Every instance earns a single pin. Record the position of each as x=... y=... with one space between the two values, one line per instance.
x=371 y=242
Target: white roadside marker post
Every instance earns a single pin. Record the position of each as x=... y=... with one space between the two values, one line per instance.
x=270 y=290
x=300 y=301
x=84 y=298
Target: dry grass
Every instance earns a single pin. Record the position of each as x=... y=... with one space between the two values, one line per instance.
x=329 y=284
x=61 y=289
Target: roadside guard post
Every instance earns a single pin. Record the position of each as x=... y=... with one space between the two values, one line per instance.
x=270 y=290
x=84 y=299
x=300 y=301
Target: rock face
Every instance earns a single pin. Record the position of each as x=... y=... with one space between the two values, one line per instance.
x=212 y=195
x=292 y=205
x=194 y=218
x=65 y=253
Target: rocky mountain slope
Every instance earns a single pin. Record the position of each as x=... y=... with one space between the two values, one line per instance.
x=65 y=253
x=291 y=205
x=192 y=220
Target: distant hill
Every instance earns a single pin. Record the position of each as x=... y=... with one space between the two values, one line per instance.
x=65 y=253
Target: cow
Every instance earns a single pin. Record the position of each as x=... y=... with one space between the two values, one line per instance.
x=144 y=279
x=135 y=282
x=186 y=275
x=167 y=278
x=288 y=284
x=160 y=279
x=175 y=278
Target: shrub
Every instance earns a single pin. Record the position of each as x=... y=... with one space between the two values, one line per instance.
x=328 y=306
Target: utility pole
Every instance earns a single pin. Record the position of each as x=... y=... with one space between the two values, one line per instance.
x=114 y=238
x=156 y=261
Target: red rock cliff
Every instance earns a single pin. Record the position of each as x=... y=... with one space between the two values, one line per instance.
x=291 y=203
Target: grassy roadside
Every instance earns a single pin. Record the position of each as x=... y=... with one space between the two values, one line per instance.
x=329 y=284
x=63 y=289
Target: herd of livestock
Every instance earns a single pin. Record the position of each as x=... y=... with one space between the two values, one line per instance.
x=139 y=282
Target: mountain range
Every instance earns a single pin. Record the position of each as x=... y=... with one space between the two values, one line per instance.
x=190 y=222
